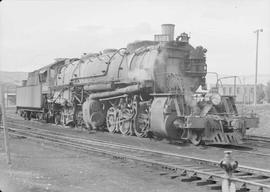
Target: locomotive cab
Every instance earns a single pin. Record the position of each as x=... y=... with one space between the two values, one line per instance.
x=32 y=99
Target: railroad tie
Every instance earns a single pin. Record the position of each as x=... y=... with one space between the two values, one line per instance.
x=174 y=176
x=193 y=177
x=239 y=174
x=164 y=173
x=214 y=187
x=252 y=177
x=184 y=173
x=243 y=188
x=208 y=181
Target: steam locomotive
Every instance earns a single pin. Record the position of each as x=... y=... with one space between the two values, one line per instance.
x=146 y=89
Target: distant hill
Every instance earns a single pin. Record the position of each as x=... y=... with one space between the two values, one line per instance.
x=12 y=79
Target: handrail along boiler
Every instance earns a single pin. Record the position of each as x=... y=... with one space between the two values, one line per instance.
x=146 y=89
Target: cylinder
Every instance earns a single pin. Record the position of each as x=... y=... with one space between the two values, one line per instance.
x=168 y=29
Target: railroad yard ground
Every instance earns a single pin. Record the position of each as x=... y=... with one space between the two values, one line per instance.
x=39 y=166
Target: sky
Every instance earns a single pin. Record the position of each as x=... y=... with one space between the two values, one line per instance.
x=33 y=33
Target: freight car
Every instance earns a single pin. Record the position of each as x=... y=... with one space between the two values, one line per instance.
x=144 y=89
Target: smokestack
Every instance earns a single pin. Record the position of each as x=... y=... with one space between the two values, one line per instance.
x=168 y=29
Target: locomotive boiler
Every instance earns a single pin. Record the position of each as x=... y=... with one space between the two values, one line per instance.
x=146 y=89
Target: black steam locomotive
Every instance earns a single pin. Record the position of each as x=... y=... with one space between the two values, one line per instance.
x=144 y=89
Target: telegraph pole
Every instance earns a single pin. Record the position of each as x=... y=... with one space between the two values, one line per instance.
x=256 y=68
x=2 y=102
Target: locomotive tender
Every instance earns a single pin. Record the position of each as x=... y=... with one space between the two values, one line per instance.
x=145 y=89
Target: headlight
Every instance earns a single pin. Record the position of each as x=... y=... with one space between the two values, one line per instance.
x=215 y=99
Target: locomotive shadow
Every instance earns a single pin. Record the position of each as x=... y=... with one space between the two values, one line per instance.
x=236 y=147
x=181 y=143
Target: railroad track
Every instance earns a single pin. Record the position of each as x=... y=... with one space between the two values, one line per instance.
x=258 y=138
x=237 y=149
x=187 y=168
x=257 y=141
x=263 y=140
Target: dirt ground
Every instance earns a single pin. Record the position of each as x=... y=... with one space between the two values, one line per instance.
x=38 y=166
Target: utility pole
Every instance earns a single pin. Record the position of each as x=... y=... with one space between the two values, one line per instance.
x=7 y=98
x=256 y=69
x=2 y=102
